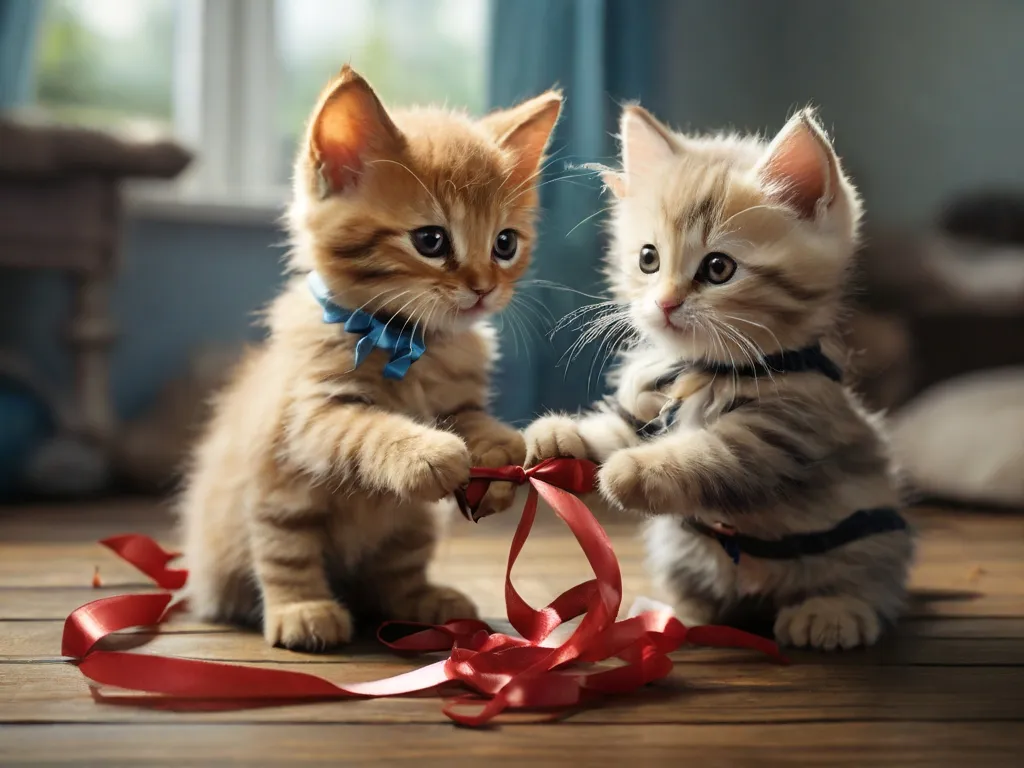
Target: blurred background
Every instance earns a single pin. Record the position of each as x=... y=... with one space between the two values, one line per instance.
x=145 y=148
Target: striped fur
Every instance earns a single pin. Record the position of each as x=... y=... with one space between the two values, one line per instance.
x=769 y=456
x=318 y=489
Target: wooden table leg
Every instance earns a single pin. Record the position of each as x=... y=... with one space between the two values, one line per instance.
x=91 y=335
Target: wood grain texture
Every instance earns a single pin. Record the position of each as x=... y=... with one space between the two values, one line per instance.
x=835 y=744
x=946 y=688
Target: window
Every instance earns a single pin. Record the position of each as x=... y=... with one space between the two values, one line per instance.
x=102 y=62
x=236 y=79
x=410 y=50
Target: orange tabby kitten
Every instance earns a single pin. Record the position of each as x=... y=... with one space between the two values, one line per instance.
x=314 y=492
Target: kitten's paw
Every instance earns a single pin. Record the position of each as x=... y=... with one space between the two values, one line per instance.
x=634 y=479
x=434 y=604
x=553 y=437
x=498 y=448
x=431 y=467
x=313 y=625
x=827 y=623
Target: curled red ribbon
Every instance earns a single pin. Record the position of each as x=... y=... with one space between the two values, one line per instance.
x=501 y=671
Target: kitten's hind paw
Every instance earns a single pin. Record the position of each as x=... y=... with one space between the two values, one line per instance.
x=312 y=625
x=433 y=604
x=827 y=623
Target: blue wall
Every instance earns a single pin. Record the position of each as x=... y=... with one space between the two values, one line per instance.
x=920 y=94
x=181 y=285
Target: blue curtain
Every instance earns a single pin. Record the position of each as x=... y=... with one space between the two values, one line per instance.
x=18 y=25
x=600 y=52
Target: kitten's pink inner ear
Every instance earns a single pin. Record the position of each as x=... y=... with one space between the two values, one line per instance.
x=525 y=131
x=350 y=127
x=646 y=143
x=801 y=166
x=615 y=182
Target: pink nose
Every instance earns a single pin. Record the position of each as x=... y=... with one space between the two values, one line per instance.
x=668 y=305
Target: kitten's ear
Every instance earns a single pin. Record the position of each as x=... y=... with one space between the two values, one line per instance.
x=349 y=128
x=646 y=146
x=525 y=130
x=801 y=166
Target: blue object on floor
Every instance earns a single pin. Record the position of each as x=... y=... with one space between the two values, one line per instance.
x=25 y=422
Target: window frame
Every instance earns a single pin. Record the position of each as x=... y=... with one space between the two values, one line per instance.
x=224 y=96
x=227 y=67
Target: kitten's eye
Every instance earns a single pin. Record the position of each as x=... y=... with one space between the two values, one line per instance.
x=432 y=242
x=650 y=261
x=505 y=245
x=716 y=268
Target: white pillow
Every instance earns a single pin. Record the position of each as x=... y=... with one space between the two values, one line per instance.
x=963 y=439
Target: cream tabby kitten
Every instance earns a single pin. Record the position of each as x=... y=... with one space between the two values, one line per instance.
x=768 y=484
x=314 y=490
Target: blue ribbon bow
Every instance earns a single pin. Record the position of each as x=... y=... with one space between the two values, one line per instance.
x=406 y=346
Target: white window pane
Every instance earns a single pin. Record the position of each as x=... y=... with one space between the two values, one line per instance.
x=411 y=51
x=103 y=62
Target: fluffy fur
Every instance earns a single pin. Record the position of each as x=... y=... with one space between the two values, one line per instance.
x=317 y=490
x=768 y=456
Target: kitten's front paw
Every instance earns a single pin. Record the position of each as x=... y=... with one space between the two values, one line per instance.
x=553 y=437
x=634 y=479
x=827 y=623
x=313 y=625
x=434 y=604
x=498 y=448
x=430 y=467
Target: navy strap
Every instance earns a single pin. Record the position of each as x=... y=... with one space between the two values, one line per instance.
x=645 y=430
x=806 y=360
x=803 y=360
x=859 y=525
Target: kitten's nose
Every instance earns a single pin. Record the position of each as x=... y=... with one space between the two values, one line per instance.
x=482 y=292
x=669 y=304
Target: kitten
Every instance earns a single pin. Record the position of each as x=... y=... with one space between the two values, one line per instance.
x=726 y=252
x=313 y=493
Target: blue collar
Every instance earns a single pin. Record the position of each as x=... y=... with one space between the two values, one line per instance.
x=405 y=345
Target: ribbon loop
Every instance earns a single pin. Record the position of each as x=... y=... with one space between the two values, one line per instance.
x=527 y=671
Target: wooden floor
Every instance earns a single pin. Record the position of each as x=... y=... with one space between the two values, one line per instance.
x=946 y=689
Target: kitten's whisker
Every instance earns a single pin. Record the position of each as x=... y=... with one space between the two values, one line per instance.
x=520 y=304
x=538 y=186
x=430 y=194
x=758 y=325
x=752 y=208
x=376 y=296
x=539 y=305
x=616 y=337
x=742 y=346
x=552 y=158
x=588 y=218
x=398 y=312
x=559 y=287
x=605 y=308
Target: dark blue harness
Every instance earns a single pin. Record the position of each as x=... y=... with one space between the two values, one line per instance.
x=859 y=525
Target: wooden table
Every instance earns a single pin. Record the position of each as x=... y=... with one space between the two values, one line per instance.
x=60 y=210
x=946 y=689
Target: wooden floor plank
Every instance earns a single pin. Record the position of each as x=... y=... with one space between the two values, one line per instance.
x=695 y=693
x=952 y=642
x=947 y=688
x=55 y=603
x=893 y=745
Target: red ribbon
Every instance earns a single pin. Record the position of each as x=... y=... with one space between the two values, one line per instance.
x=502 y=671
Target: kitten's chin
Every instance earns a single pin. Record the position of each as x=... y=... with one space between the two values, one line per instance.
x=466 y=319
x=678 y=343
